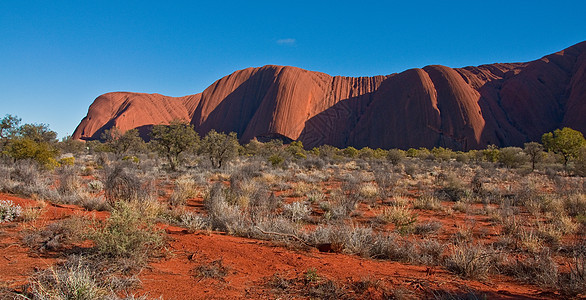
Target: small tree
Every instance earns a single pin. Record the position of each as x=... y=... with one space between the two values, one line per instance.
x=512 y=157
x=123 y=143
x=535 y=152
x=8 y=127
x=491 y=153
x=173 y=139
x=350 y=152
x=27 y=148
x=295 y=148
x=39 y=133
x=29 y=141
x=395 y=156
x=69 y=145
x=219 y=147
x=566 y=142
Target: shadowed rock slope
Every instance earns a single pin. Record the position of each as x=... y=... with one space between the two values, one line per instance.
x=465 y=108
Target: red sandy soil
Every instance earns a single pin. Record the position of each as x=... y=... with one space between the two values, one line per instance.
x=251 y=265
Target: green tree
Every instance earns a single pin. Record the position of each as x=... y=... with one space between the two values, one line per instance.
x=29 y=141
x=350 y=152
x=512 y=157
x=123 y=143
x=8 y=127
x=39 y=133
x=219 y=147
x=69 y=145
x=27 y=148
x=296 y=149
x=566 y=141
x=491 y=153
x=395 y=156
x=173 y=139
x=535 y=152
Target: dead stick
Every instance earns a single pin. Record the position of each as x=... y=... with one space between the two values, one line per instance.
x=286 y=235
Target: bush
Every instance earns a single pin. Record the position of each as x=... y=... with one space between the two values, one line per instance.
x=395 y=156
x=296 y=211
x=469 y=261
x=8 y=211
x=185 y=188
x=512 y=157
x=76 y=280
x=26 y=148
x=566 y=142
x=129 y=232
x=174 y=139
x=122 y=184
x=219 y=147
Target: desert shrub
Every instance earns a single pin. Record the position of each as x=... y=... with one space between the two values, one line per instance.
x=315 y=196
x=539 y=268
x=276 y=160
x=369 y=191
x=427 y=201
x=214 y=269
x=68 y=181
x=452 y=189
x=442 y=154
x=580 y=164
x=490 y=154
x=426 y=252
x=469 y=261
x=339 y=206
x=295 y=149
x=67 y=161
x=512 y=157
x=427 y=227
x=73 y=280
x=401 y=216
x=575 y=204
x=222 y=215
x=350 y=152
x=566 y=142
x=327 y=289
x=172 y=140
x=574 y=282
x=129 y=232
x=395 y=156
x=123 y=183
x=359 y=241
x=219 y=147
x=314 y=163
x=8 y=211
x=296 y=211
x=391 y=247
x=95 y=186
x=56 y=235
x=185 y=188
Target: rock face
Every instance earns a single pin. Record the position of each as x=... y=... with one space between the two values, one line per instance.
x=466 y=108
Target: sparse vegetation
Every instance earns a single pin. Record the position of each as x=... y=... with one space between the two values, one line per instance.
x=475 y=214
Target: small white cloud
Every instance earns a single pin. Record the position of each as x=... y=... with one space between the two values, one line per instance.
x=288 y=41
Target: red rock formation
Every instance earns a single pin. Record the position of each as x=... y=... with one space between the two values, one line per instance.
x=466 y=108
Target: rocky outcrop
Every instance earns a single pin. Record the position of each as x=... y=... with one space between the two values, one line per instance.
x=466 y=108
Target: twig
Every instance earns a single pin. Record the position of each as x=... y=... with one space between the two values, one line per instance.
x=285 y=235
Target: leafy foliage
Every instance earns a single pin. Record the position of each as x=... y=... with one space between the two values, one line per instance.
x=220 y=147
x=173 y=139
x=566 y=142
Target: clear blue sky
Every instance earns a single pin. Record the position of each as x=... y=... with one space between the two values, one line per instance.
x=57 y=56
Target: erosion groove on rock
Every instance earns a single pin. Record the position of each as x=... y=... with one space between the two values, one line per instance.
x=505 y=104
